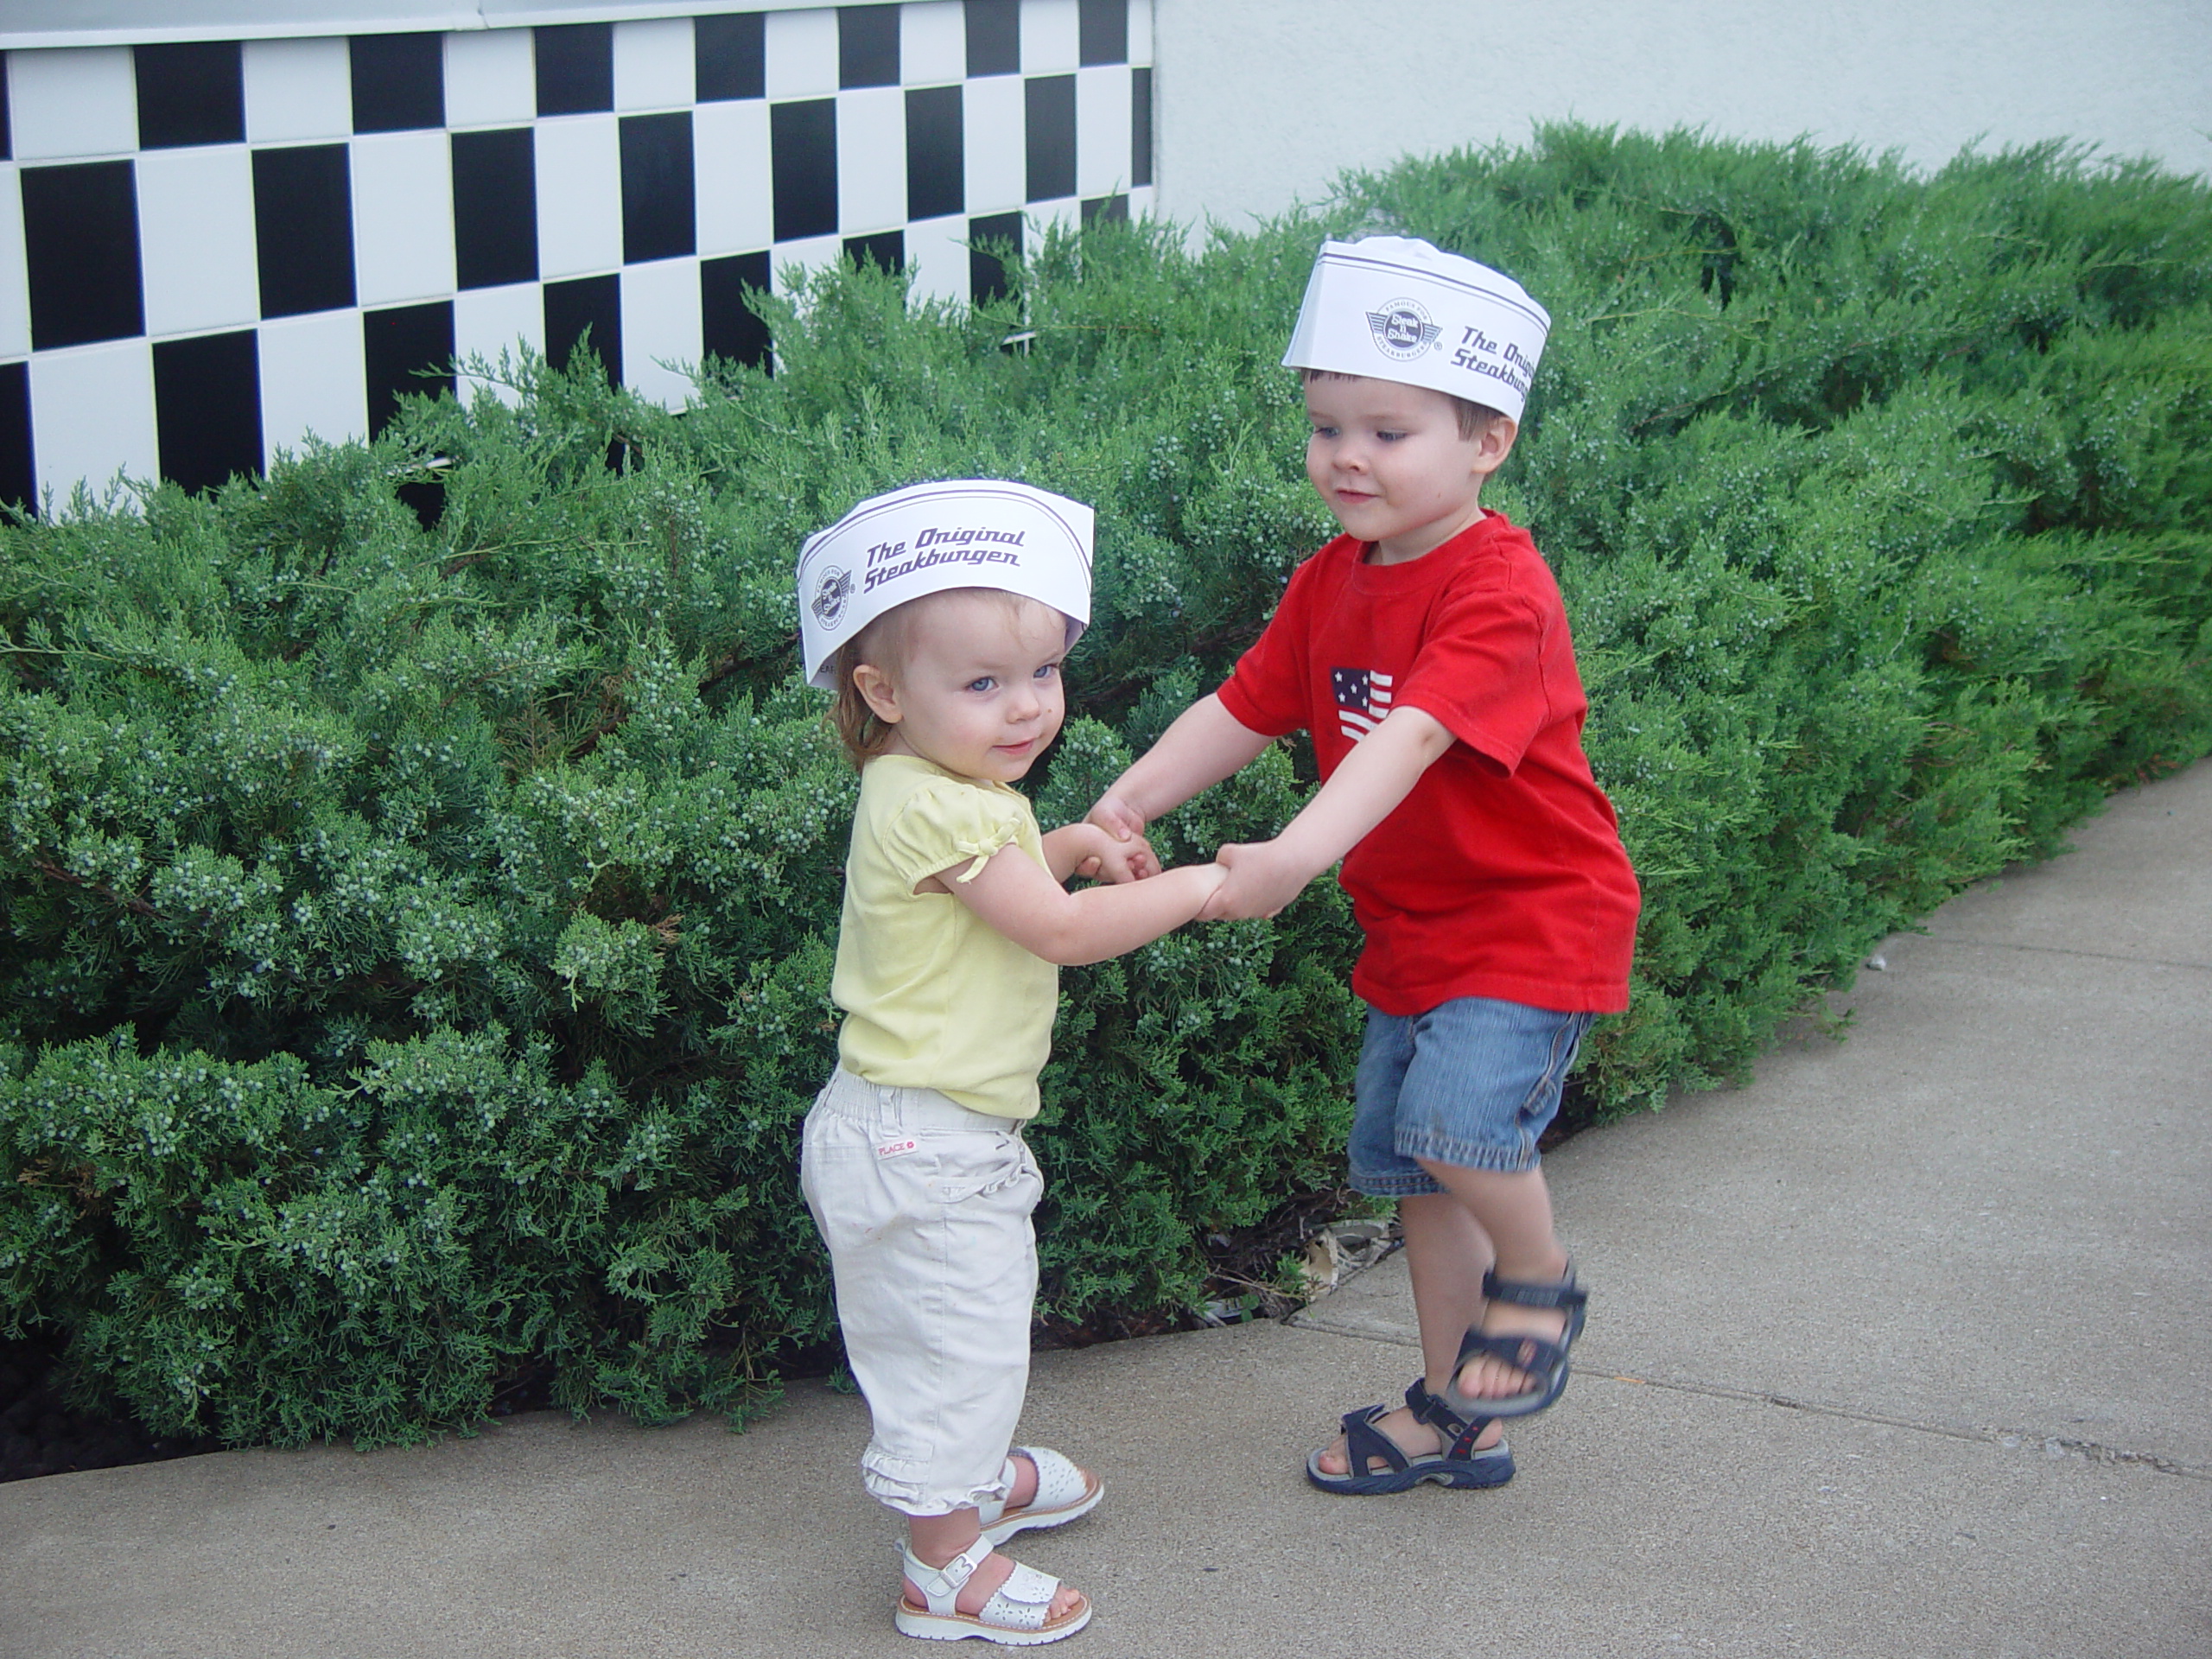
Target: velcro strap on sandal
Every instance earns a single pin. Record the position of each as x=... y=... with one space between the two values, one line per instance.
x=1024 y=1601
x=1529 y=1294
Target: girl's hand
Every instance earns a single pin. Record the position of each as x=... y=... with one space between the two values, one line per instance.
x=1121 y=861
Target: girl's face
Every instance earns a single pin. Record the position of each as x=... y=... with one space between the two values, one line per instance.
x=979 y=692
x=1388 y=459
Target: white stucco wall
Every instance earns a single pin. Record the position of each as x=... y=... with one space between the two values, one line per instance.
x=1262 y=102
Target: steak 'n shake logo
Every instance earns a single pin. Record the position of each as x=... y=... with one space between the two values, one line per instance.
x=1403 y=329
x=831 y=594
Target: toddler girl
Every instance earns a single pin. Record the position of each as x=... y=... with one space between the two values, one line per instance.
x=939 y=615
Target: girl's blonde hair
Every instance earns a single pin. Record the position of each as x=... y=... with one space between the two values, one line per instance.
x=885 y=643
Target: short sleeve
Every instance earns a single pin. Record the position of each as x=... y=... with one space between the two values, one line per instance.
x=1480 y=675
x=945 y=821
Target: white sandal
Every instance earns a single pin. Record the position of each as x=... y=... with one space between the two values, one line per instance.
x=1063 y=1491
x=1018 y=1615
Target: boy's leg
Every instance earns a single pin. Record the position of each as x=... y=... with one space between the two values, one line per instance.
x=1514 y=1211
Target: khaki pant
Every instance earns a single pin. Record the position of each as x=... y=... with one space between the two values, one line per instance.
x=925 y=1207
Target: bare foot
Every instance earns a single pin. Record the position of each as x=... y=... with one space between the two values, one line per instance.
x=1411 y=1436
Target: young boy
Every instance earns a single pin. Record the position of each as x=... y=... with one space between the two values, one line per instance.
x=1426 y=650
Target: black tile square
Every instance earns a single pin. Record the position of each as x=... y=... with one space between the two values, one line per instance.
x=576 y=68
x=867 y=46
x=729 y=328
x=994 y=37
x=1051 y=112
x=80 y=245
x=303 y=228
x=802 y=165
x=994 y=243
x=886 y=249
x=208 y=408
x=1139 y=128
x=936 y=153
x=18 y=472
x=1114 y=210
x=593 y=303
x=405 y=351
x=399 y=82
x=729 y=57
x=7 y=139
x=494 y=207
x=191 y=92
x=1102 y=31
x=657 y=200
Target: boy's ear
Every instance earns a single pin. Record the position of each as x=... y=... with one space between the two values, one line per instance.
x=1495 y=444
x=877 y=691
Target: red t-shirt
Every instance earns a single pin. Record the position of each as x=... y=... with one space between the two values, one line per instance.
x=1501 y=874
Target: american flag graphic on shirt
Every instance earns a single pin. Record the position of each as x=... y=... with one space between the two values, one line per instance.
x=1363 y=699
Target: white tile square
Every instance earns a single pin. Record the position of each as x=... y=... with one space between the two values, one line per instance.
x=402 y=217
x=932 y=42
x=1140 y=32
x=93 y=416
x=15 y=281
x=298 y=89
x=487 y=321
x=72 y=101
x=655 y=64
x=196 y=239
x=579 y=195
x=871 y=160
x=1051 y=37
x=313 y=381
x=1142 y=201
x=661 y=326
x=807 y=254
x=936 y=253
x=1101 y=129
x=730 y=171
x=802 y=53
x=994 y=123
x=1066 y=212
x=490 y=78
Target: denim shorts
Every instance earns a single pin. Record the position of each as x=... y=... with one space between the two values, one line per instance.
x=1471 y=1083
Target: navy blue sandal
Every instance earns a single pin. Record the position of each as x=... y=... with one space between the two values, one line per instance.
x=1460 y=1464
x=1540 y=1357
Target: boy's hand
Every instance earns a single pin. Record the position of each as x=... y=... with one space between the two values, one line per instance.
x=1117 y=818
x=1262 y=878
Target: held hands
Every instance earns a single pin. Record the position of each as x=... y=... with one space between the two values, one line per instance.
x=1263 y=877
x=1106 y=857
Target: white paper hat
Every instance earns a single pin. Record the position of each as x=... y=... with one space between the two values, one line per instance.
x=965 y=532
x=1393 y=307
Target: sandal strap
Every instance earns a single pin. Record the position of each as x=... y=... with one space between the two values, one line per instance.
x=1362 y=1441
x=1459 y=1431
x=1059 y=1481
x=940 y=1584
x=1564 y=1292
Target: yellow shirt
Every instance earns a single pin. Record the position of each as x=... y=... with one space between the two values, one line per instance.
x=934 y=997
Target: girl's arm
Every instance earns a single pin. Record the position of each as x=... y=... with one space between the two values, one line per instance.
x=1206 y=744
x=1019 y=897
x=1366 y=788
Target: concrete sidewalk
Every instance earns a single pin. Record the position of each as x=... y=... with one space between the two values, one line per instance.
x=1901 y=1351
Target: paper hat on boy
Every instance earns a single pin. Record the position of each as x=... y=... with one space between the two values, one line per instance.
x=1393 y=307
x=966 y=532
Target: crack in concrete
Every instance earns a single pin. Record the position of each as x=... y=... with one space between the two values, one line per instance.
x=2060 y=950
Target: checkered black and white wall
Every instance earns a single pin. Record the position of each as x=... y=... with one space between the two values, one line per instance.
x=209 y=250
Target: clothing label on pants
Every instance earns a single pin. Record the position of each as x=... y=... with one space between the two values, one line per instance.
x=898 y=1149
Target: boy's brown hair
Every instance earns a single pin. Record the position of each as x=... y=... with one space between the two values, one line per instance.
x=1475 y=418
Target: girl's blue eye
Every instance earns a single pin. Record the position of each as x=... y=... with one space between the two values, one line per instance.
x=984 y=684
x=1048 y=670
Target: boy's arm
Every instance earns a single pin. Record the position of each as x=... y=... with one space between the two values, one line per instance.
x=1365 y=789
x=1017 y=896
x=1085 y=850
x=1206 y=744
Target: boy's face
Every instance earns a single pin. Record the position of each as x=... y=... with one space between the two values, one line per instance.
x=1390 y=462
x=979 y=690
